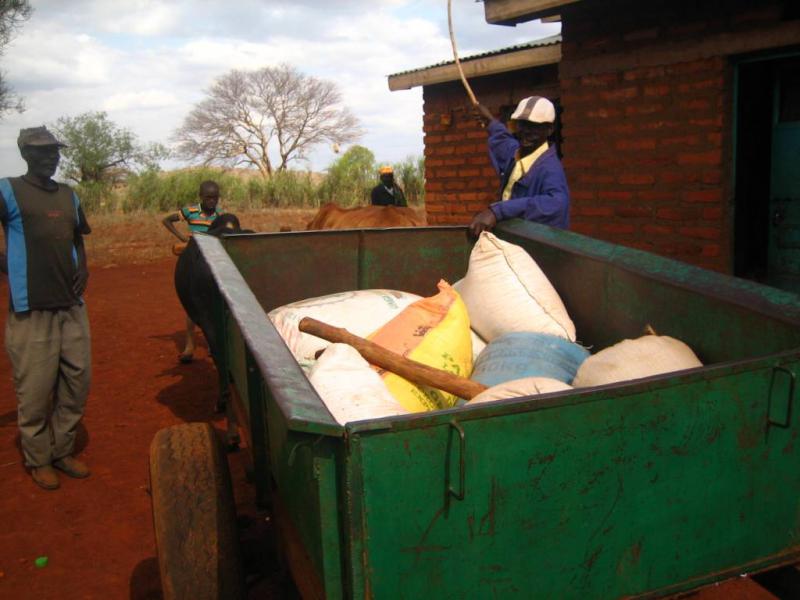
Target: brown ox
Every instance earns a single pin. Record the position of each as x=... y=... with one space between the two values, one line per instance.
x=332 y=216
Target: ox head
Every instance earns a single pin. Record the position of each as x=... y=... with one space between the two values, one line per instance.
x=226 y=223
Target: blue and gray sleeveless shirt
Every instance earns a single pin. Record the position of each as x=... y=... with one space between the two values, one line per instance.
x=41 y=227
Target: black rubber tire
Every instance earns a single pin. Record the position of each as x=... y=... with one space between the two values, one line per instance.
x=194 y=515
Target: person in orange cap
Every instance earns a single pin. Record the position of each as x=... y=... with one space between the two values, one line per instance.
x=387 y=192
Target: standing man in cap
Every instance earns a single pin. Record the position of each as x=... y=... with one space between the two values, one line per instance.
x=387 y=192
x=532 y=181
x=47 y=329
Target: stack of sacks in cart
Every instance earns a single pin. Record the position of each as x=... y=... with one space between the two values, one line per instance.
x=503 y=325
x=531 y=339
x=513 y=306
x=433 y=331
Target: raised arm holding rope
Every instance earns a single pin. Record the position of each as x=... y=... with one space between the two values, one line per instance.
x=532 y=181
x=533 y=185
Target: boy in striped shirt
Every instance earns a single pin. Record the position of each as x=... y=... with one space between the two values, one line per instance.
x=199 y=218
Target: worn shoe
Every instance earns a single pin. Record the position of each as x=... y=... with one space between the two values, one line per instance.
x=72 y=467
x=45 y=477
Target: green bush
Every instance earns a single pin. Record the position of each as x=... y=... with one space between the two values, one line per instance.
x=350 y=179
x=289 y=189
x=410 y=175
x=96 y=197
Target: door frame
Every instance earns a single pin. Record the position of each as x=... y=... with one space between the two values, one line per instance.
x=769 y=56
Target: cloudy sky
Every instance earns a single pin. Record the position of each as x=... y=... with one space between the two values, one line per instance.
x=147 y=63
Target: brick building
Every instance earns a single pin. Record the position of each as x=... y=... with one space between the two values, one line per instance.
x=679 y=125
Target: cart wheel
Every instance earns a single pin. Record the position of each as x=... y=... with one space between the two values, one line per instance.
x=194 y=515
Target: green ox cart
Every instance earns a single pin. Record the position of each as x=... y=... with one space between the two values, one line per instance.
x=640 y=489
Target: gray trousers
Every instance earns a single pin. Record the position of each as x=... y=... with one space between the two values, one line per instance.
x=50 y=352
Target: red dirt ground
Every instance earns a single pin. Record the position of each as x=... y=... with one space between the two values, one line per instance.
x=97 y=533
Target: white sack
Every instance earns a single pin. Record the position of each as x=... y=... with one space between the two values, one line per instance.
x=350 y=388
x=360 y=312
x=477 y=345
x=633 y=359
x=506 y=291
x=527 y=386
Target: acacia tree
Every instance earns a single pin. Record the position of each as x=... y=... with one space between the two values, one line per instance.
x=12 y=14
x=96 y=147
x=249 y=116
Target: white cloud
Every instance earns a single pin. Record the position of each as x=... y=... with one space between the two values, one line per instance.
x=49 y=56
x=143 y=99
x=147 y=62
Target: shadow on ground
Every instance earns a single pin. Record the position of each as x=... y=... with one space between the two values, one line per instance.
x=193 y=390
x=145 y=581
x=265 y=578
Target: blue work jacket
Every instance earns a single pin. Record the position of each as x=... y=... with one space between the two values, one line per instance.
x=541 y=194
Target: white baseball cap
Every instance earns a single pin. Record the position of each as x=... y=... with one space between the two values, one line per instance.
x=535 y=109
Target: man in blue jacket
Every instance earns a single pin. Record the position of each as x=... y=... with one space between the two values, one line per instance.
x=532 y=181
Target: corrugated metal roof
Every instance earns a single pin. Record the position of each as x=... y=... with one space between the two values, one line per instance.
x=548 y=41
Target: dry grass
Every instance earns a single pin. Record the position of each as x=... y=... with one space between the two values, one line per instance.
x=136 y=239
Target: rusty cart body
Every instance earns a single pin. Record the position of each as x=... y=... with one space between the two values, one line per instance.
x=642 y=488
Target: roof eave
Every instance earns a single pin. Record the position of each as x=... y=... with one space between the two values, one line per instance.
x=511 y=12
x=478 y=67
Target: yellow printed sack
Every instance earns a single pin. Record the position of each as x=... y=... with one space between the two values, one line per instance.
x=433 y=331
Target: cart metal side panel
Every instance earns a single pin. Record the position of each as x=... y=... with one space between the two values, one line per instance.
x=286 y=267
x=648 y=487
x=612 y=292
x=283 y=268
x=304 y=468
x=654 y=487
x=288 y=386
x=236 y=357
x=412 y=260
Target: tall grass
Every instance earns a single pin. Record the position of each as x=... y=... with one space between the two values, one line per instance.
x=348 y=182
x=97 y=197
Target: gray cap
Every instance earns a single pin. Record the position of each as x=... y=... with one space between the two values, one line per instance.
x=37 y=136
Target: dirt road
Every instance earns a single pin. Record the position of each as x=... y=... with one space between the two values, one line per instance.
x=97 y=533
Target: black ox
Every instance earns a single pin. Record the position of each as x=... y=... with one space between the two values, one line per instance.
x=197 y=292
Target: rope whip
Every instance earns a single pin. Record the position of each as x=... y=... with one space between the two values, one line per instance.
x=467 y=87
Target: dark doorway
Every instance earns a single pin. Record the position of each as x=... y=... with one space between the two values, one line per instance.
x=767 y=209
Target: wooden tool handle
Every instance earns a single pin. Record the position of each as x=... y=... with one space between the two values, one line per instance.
x=391 y=361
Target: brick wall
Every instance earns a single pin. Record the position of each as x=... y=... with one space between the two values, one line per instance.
x=459 y=178
x=647 y=90
x=645 y=158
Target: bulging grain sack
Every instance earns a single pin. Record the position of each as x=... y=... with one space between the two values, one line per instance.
x=505 y=290
x=633 y=359
x=433 y=331
x=522 y=354
x=478 y=343
x=517 y=388
x=360 y=312
x=350 y=387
